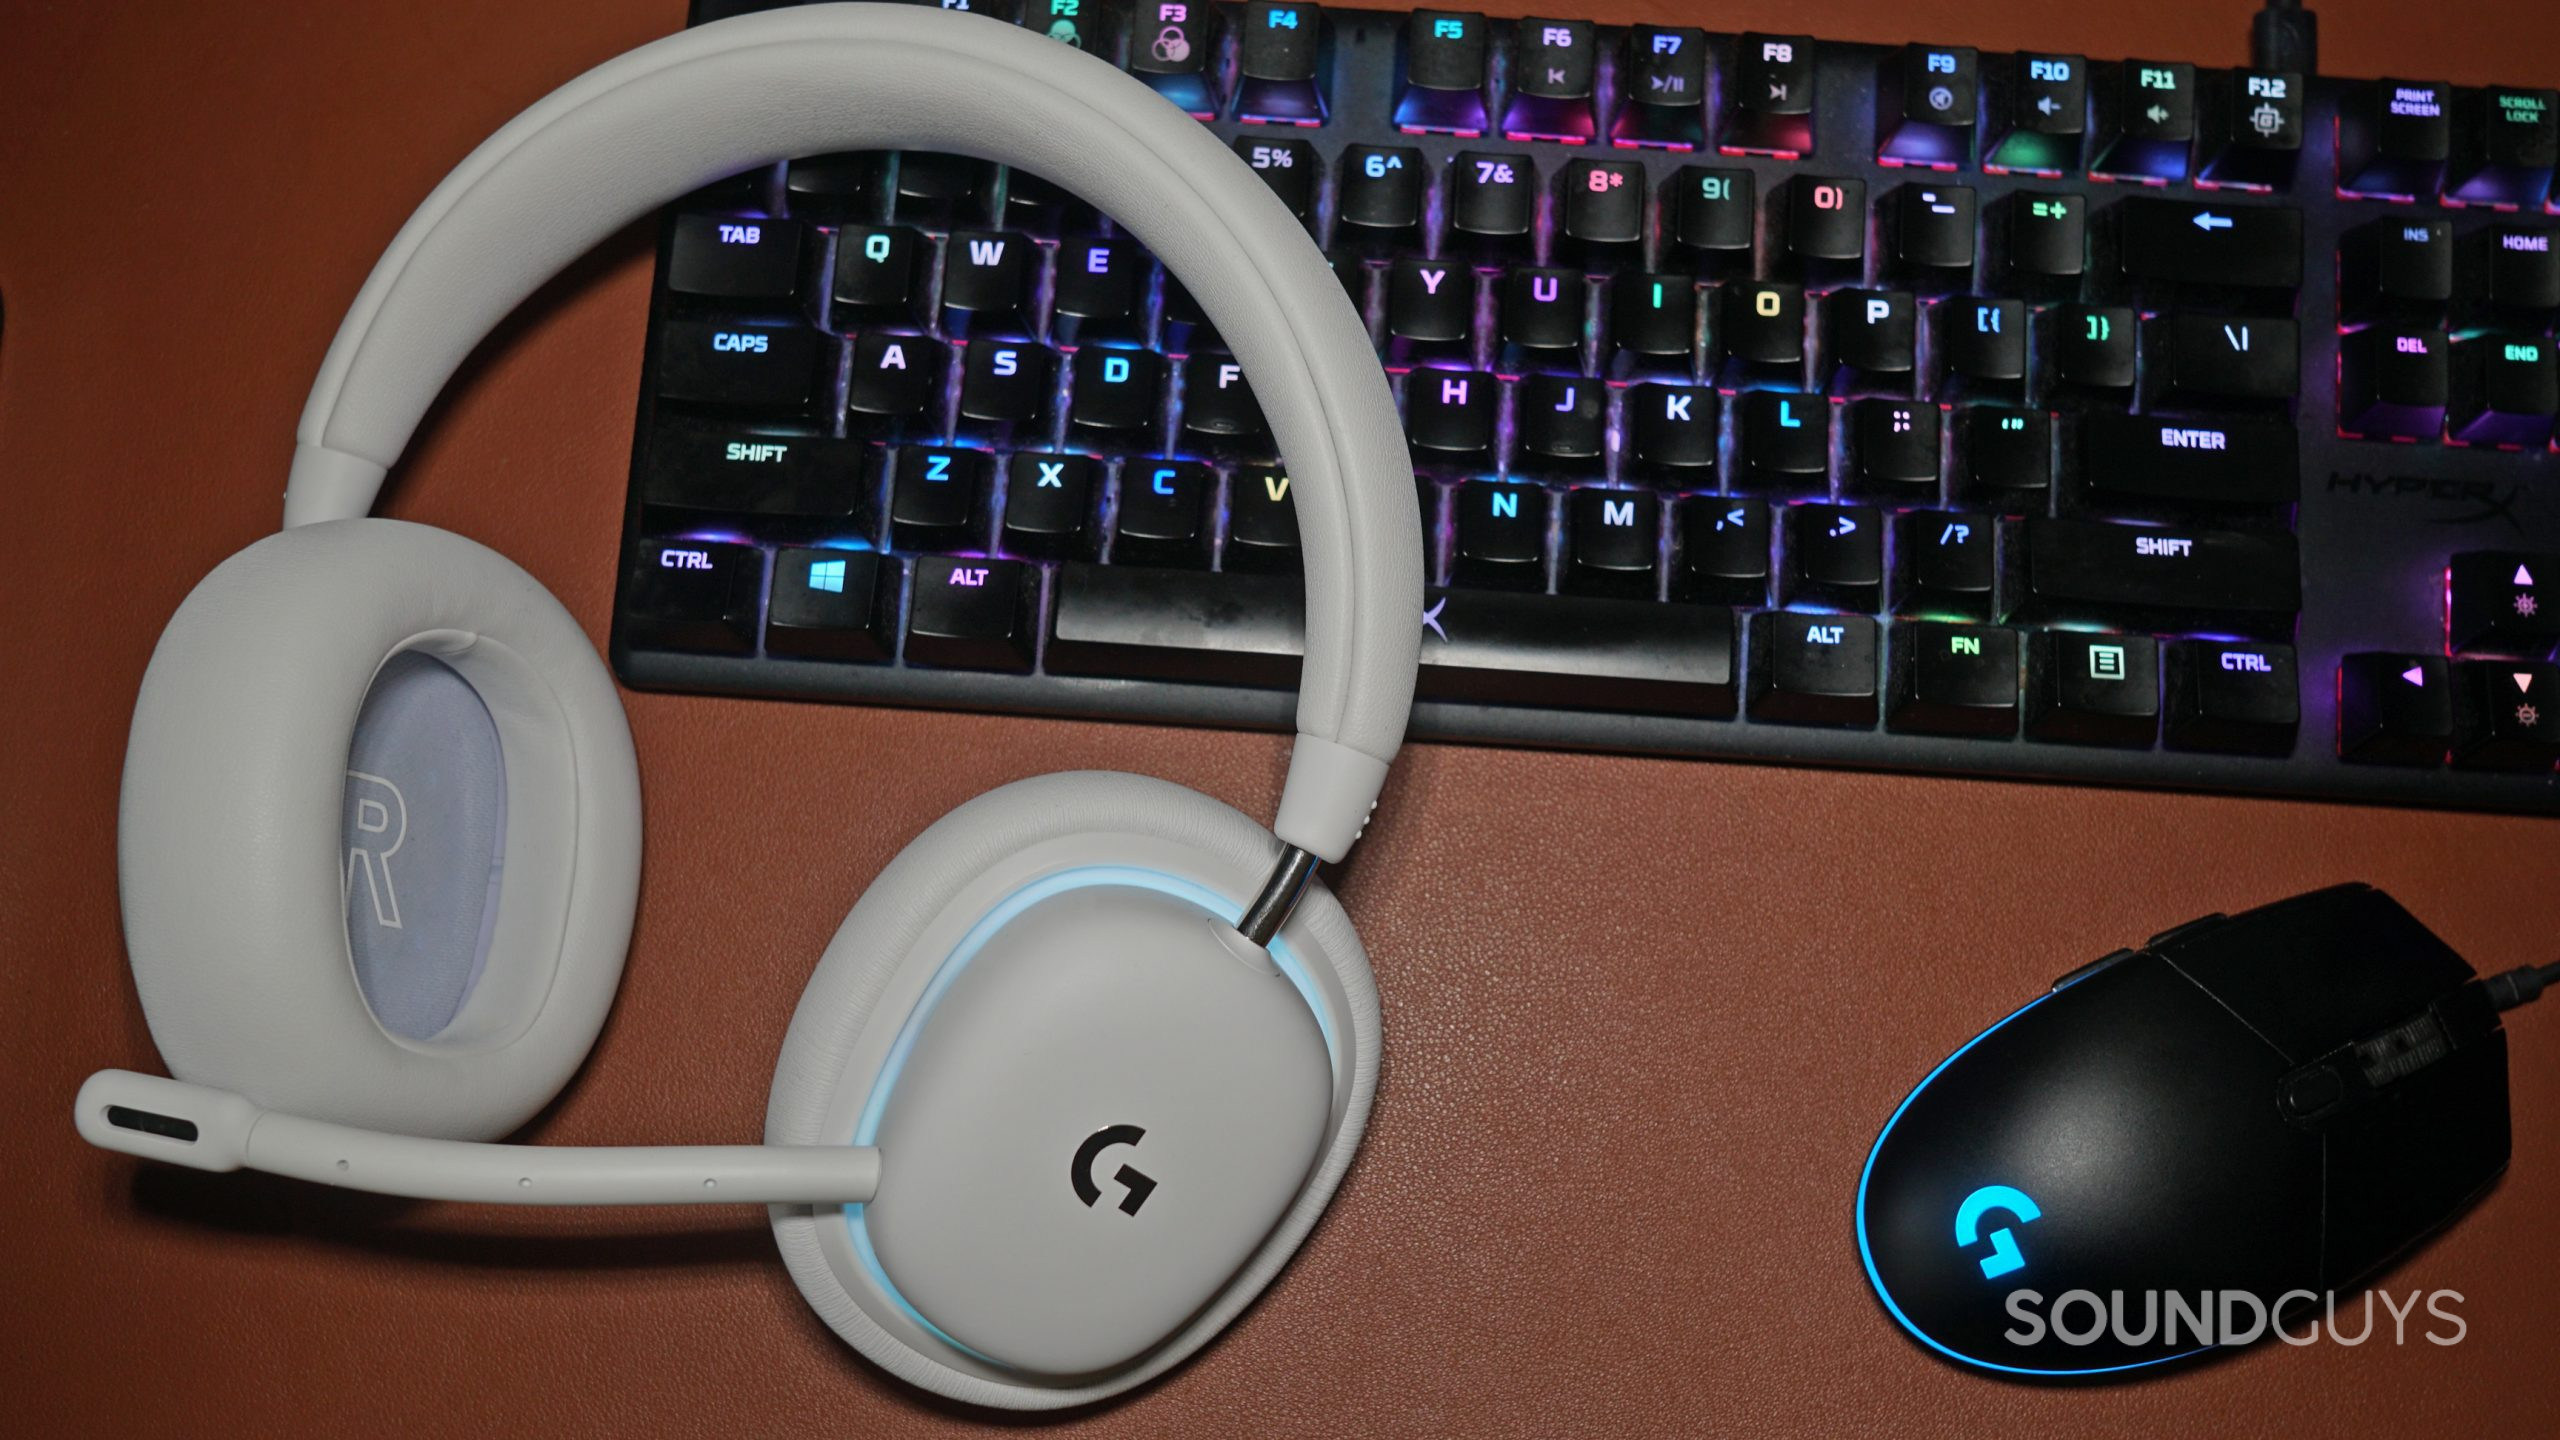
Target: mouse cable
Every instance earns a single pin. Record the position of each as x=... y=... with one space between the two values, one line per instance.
x=2361 y=1072
x=2520 y=986
x=2285 y=38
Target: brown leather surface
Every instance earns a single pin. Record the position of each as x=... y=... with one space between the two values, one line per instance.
x=1643 y=1017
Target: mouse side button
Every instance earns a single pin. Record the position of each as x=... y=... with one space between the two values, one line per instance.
x=2074 y=977
x=1098 y=1121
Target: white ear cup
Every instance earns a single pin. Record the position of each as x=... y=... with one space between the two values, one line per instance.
x=1009 y=847
x=231 y=861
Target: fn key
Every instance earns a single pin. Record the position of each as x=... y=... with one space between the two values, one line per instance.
x=1954 y=680
x=972 y=614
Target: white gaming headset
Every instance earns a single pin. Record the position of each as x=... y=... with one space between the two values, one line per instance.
x=1081 y=1068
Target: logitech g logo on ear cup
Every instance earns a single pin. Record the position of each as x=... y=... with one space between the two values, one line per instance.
x=377 y=810
x=1080 y=1171
x=2004 y=1256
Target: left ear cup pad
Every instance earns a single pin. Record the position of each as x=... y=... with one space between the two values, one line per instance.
x=230 y=862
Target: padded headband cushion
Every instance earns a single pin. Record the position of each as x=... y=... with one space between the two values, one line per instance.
x=659 y=122
x=229 y=839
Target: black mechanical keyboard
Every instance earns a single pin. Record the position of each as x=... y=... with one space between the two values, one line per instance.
x=2123 y=421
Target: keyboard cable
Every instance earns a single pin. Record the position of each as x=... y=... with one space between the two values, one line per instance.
x=2286 y=39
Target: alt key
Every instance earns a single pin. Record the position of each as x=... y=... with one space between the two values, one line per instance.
x=1813 y=669
x=972 y=614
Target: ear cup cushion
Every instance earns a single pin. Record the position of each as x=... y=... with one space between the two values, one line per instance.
x=229 y=853
x=1024 y=829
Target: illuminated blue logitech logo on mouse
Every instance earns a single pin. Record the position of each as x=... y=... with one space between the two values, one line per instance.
x=2004 y=1256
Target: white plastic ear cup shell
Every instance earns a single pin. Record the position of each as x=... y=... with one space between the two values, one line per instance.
x=1001 y=846
x=230 y=863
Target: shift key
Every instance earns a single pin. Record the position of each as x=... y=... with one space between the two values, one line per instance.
x=2154 y=577
x=2219 y=462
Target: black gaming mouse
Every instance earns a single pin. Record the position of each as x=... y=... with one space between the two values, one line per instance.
x=2266 y=1106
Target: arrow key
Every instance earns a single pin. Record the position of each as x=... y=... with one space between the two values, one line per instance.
x=2394 y=709
x=2494 y=604
x=2506 y=716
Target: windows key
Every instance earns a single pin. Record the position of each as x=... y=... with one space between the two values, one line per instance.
x=833 y=605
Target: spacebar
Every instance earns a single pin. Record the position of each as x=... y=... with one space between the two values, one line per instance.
x=1176 y=625
x=1577 y=653
x=1483 y=646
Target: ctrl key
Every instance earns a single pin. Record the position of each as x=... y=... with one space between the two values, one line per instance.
x=972 y=614
x=692 y=595
x=2236 y=698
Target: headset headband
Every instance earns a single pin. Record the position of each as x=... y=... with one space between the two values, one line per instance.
x=660 y=122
